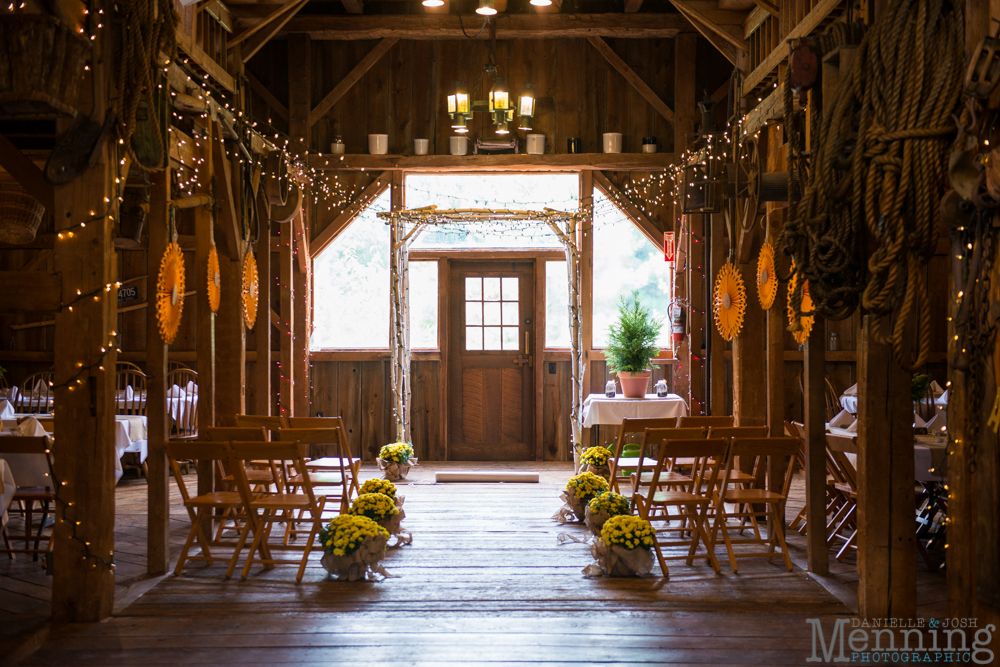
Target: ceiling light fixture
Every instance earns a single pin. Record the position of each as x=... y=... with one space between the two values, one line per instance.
x=432 y=3
x=486 y=8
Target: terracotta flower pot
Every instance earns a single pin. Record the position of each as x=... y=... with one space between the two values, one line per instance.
x=634 y=384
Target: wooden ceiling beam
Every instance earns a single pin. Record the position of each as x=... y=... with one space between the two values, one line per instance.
x=558 y=162
x=632 y=6
x=274 y=25
x=26 y=173
x=768 y=7
x=267 y=95
x=509 y=26
x=641 y=86
x=352 y=78
x=261 y=24
x=715 y=32
x=649 y=229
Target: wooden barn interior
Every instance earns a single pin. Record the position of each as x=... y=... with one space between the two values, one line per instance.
x=270 y=267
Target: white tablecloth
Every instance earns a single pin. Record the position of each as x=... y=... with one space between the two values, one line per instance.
x=599 y=409
x=928 y=454
x=7 y=489
x=6 y=409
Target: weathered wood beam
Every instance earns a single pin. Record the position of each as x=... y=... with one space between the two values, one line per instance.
x=30 y=292
x=814 y=388
x=326 y=235
x=205 y=62
x=300 y=341
x=632 y=6
x=352 y=78
x=515 y=163
x=204 y=241
x=355 y=6
x=267 y=95
x=286 y=281
x=272 y=29
x=720 y=37
x=227 y=217
x=38 y=260
x=649 y=229
x=769 y=7
x=509 y=26
x=300 y=89
x=263 y=328
x=158 y=505
x=301 y=243
x=698 y=11
x=26 y=173
x=261 y=24
x=641 y=86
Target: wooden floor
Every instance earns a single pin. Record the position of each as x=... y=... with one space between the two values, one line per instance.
x=485 y=581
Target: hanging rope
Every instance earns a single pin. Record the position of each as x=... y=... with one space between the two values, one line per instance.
x=880 y=163
x=145 y=27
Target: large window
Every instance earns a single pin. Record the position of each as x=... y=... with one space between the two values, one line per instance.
x=625 y=260
x=532 y=192
x=556 y=305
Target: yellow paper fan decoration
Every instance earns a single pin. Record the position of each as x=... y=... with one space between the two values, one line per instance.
x=214 y=280
x=767 y=279
x=806 y=321
x=250 y=286
x=170 y=293
x=729 y=302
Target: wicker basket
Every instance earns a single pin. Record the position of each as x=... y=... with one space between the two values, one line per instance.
x=41 y=66
x=20 y=214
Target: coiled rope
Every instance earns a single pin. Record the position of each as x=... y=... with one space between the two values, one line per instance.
x=880 y=164
x=145 y=28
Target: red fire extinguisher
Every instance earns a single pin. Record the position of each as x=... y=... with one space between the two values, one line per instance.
x=678 y=321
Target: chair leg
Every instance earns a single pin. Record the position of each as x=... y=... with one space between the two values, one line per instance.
x=263 y=528
x=184 y=550
x=41 y=524
x=702 y=529
x=239 y=547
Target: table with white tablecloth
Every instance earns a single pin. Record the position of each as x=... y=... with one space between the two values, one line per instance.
x=7 y=489
x=599 y=409
x=6 y=409
x=929 y=454
x=130 y=435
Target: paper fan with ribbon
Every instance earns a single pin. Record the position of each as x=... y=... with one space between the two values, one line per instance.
x=214 y=280
x=250 y=286
x=170 y=293
x=800 y=326
x=767 y=278
x=729 y=302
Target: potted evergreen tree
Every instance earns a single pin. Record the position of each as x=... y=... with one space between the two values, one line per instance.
x=632 y=342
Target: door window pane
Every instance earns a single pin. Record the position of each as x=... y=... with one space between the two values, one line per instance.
x=491 y=289
x=473 y=338
x=556 y=305
x=423 y=305
x=510 y=289
x=491 y=313
x=473 y=312
x=510 y=313
x=491 y=338
x=473 y=289
x=510 y=341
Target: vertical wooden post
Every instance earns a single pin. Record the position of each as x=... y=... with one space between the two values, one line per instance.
x=815 y=377
x=301 y=308
x=262 y=330
x=204 y=233
x=231 y=334
x=82 y=588
x=717 y=360
x=158 y=507
x=537 y=351
x=685 y=116
x=697 y=261
x=444 y=300
x=887 y=553
x=286 y=279
x=299 y=88
x=749 y=364
x=585 y=234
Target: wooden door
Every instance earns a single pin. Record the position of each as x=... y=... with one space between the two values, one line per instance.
x=490 y=388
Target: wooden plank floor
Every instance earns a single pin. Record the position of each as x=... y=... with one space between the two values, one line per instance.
x=485 y=581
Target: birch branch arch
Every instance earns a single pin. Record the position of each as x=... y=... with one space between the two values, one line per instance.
x=406 y=225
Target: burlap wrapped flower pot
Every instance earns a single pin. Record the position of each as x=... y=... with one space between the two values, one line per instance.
x=395 y=461
x=595 y=460
x=353 y=547
x=616 y=561
x=604 y=506
x=578 y=492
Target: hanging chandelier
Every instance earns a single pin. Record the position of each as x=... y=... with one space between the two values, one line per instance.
x=462 y=106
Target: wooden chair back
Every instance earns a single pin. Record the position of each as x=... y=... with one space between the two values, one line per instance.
x=758 y=450
x=325 y=423
x=130 y=390
x=183 y=410
x=706 y=455
x=323 y=442
x=228 y=433
x=284 y=456
x=730 y=432
x=176 y=365
x=705 y=420
x=838 y=447
x=257 y=421
x=35 y=394
x=193 y=450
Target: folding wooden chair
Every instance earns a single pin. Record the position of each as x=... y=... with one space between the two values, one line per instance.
x=265 y=421
x=758 y=450
x=692 y=502
x=704 y=421
x=338 y=481
x=30 y=462
x=626 y=454
x=275 y=508
x=739 y=475
x=342 y=454
x=652 y=439
x=202 y=508
x=261 y=474
x=839 y=447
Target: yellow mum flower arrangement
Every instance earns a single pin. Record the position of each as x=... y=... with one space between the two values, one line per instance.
x=345 y=534
x=613 y=503
x=586 y=485
x=596 y=456
x=375 y=506
x=379 y=486
x=398 y=452
x=629 y=532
